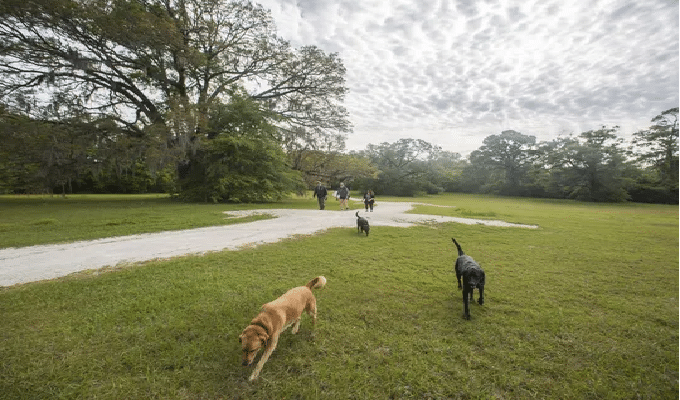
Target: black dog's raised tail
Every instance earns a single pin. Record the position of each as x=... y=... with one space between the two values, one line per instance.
x=460 y=251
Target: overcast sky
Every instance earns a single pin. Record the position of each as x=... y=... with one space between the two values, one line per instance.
x=454 y=72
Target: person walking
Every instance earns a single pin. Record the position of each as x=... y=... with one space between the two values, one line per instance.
x=320 y=193
x=369 y=199
x=343 y=195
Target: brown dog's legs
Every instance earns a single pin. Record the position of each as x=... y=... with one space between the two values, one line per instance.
x=311 y=310
x=296 y=326
x=265 y=356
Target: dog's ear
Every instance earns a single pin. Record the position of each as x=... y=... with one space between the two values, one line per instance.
x=264 y=337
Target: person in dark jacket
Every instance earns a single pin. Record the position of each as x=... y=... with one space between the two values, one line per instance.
x=369 y=199
x=320 y=193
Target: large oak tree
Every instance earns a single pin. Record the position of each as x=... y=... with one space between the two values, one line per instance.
x=157 y=66
x=505 y=161
x=590 y=167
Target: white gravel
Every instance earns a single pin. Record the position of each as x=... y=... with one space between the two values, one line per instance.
x=35 y=263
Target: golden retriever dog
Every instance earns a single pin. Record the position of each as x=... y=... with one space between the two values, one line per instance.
x=274 y=318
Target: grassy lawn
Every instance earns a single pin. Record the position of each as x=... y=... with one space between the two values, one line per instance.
x=585 y=307
x=29 y=220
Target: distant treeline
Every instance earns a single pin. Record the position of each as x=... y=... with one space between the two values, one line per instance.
x=250 y=165
x=592 y=166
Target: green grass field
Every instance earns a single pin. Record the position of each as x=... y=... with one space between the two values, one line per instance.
x=29 y=220
x=585 y=307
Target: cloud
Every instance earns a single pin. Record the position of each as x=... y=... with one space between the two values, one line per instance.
x=454 y=72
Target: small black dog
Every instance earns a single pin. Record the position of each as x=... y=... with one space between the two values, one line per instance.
x=473 y=277
x=362 y=224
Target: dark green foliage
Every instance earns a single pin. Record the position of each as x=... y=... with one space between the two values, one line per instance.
x=136 y=179
x=403 y=166
x=647 y=188
x=659 y=151
x=591 y=167
x=237 y=169
x=239 y=160
x=39 y=156
x=505 y=161
x=77 y=155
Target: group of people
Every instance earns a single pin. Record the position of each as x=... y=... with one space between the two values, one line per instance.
x=342 y=194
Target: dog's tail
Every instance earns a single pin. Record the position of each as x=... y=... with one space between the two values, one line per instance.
x=357 y=214
x=460 y=251
x=317 y=283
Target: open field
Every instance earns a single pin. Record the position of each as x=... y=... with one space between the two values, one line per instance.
x=30 y=220
x=586 y=306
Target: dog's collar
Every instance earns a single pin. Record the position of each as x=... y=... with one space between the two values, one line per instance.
x=261 y=325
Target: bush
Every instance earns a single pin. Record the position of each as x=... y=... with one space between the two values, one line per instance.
x=237 y=169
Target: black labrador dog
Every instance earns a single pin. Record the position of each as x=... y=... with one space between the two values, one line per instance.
x=362 y=224
x=473 y=277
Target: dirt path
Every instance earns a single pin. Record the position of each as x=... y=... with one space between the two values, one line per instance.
x=34 y=263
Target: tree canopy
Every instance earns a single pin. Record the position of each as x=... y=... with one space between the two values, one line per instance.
x=403 y=166
x=591 y=167
x=158 y=69
x=149 y=62
x=511 y=154
x=241 y=162
x=659 y=145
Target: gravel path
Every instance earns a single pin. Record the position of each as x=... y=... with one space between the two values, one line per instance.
x=35 y=263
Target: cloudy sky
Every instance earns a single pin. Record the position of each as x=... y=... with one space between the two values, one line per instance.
x=452 y=72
